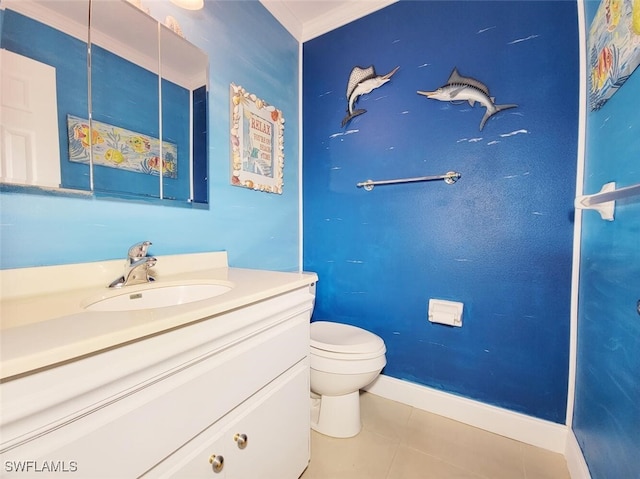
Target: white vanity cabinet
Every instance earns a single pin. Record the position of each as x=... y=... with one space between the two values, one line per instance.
x=260 y=439
x=233 y=386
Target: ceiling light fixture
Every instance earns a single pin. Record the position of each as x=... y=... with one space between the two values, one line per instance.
x=189 y=4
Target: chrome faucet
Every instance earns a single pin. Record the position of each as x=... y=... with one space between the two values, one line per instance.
x=137 y=265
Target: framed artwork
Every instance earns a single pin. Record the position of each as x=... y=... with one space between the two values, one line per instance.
x=119 y=148
x=614 y=48
x=257 y=142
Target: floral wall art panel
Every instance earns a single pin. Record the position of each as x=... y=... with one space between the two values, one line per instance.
x=119 y=148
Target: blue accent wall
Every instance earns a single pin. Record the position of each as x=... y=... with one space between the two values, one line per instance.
x=499 y=240
x=246 y=46
x=606 y=418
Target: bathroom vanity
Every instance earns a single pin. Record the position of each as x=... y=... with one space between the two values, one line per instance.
x=217 y=387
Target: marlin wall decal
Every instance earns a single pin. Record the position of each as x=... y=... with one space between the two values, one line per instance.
x=459 y=88
x=361 y=82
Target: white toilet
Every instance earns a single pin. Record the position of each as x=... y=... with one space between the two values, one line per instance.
x=344 y=359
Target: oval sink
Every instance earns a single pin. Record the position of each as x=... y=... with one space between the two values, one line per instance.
x=156 y=296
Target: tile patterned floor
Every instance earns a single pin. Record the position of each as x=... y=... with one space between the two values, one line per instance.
x=401 y=442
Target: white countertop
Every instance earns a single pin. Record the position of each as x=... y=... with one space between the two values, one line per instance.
x=47 y=324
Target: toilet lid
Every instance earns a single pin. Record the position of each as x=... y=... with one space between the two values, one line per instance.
x=343 y=338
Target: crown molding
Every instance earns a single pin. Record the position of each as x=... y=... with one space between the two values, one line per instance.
x=285 y=16
x=349 y=11
x=337 y=17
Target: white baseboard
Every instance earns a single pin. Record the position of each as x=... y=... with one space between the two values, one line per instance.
x=523 y=428
x=576 y=464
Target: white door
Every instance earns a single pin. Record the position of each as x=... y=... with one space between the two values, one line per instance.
x=29 y=145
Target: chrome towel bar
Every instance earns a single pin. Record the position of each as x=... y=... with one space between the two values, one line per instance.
x=449 y=178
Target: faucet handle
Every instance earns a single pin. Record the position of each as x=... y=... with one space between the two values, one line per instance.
x=139 y=250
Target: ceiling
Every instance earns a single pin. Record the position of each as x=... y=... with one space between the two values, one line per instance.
x=307 y=19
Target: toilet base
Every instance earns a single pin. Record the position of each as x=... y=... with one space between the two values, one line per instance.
x=336 y=416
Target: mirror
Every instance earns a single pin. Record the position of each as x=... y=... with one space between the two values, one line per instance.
x=143 y=130
x=39 y=87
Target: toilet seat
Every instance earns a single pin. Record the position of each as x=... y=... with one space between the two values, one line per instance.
x=337 y=340
x=348 y=356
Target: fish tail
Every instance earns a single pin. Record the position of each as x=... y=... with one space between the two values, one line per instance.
x=351 y=116
x=504 y=107
x=490 y=112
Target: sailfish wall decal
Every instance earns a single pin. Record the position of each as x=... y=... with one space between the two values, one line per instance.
x=459 y=88
x=361 y=82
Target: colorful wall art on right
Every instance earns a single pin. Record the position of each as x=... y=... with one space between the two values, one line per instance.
x=614 y=48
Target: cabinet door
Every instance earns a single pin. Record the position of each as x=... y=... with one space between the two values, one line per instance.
x=265 y=437
x=272 y=440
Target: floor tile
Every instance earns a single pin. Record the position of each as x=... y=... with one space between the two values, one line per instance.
x=542 y=464
x=411 y=464
x=366 y=456
x=401 y=442
x=484 y=453
x=384 y=417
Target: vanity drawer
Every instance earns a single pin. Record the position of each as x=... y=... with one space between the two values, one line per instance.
x=127 y=434
x=266 y=437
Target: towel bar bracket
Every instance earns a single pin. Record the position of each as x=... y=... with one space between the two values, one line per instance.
x=605 y=208
x=604 y=202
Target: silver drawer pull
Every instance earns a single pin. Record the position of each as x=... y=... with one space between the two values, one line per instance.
x=241 y=439
x=217 y=462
